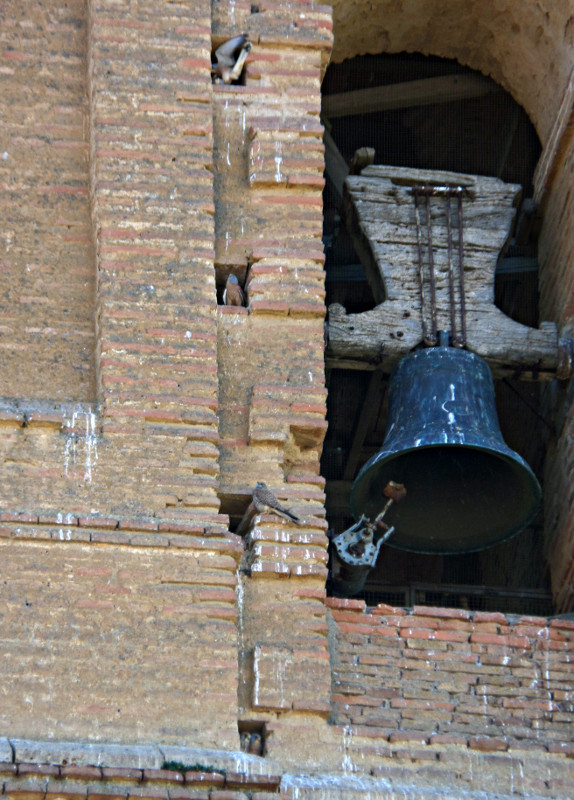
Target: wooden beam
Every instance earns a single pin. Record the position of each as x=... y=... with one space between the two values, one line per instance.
x=424 y=92
x=380 y=204
x=335 y=165
x=355 y=273
x=368 y=412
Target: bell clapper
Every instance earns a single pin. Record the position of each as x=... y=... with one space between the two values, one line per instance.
x=355 y=551
x=395 y=492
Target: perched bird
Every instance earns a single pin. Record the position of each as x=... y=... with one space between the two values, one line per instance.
x=265 y=500
x=233 y=293
x=255 y=744
x=230 y=58
x=244 y=741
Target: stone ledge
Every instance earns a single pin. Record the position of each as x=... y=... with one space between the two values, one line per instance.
x=144 y=763
x=43 y=412
x=134 y=533
x=86 y=754
x=6 y=751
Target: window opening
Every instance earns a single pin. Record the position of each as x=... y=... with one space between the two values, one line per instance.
x=482 y=131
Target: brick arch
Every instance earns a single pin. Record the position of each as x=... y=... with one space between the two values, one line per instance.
x=524 y=45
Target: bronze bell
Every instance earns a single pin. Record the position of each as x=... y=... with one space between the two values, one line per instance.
x=466 y=489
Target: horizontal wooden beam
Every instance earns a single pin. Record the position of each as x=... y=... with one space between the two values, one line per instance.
x=424 y=92
x=355 y=273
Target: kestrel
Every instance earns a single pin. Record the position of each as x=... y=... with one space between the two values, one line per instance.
x=230 y=58
x=265 y=500
x=255 y=744
x=233 y=294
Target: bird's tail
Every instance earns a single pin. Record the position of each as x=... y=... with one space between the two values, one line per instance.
x=293 y=517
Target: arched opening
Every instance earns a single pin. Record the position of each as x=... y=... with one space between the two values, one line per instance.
x=432 y=113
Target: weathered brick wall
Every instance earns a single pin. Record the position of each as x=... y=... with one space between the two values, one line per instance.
x=110 y=519
x=118 y=634
x=46 y=242
x=151 y=147
x=268 y=165
x=432 y=682
x=130 y=612
x=130 y=88
x=110 y=513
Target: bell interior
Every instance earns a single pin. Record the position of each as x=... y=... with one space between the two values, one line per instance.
x=459 y=498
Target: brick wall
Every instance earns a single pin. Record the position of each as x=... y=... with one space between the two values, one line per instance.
x=151 y=143
x=46 y=241
x=95 y=622
x=433 y=679
x=268 y=164
x=107 y=109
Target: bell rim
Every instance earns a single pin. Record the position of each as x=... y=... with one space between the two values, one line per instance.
x=507 y=455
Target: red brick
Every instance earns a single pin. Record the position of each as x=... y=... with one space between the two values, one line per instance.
x=408 y=736
x=163 y=775
x=38 y=769
x=501 y=641
x=198 y=777
x=98 y=522
x=489 y=616
x=122 y=774
x=451 y=636
x=339 y=602
x=441 y=613
x=384 y=610
x=411 y=633
x=83 y=773
x=348 y=627
x=487 y=743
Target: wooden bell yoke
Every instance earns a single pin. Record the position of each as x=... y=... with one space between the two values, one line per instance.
x=430 y=242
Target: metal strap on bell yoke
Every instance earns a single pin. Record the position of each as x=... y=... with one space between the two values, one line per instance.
x=431 y=338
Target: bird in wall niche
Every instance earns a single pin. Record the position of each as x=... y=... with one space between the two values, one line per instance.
x=252 y=743
x=233 y=294
x=230 y=58
x=265 y=501
x=255 y=744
